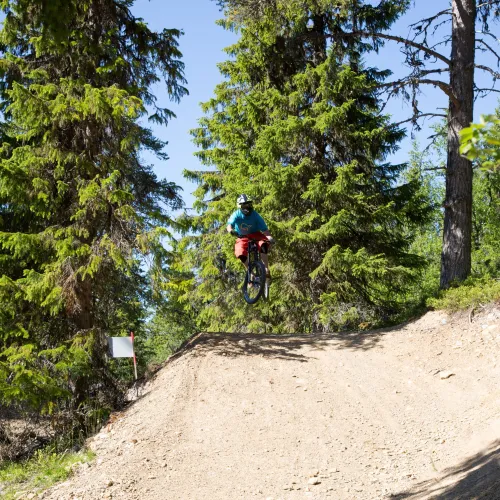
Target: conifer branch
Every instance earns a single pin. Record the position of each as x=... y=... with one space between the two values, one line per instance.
x=417 y=117
x=424 y=24
x=401 y=40
x=433 y=139
x=422 y=81
x=444 y=87
x=435 y=169
x=445 y=41
x=485 y=91
x=480 y=40
x=488 y=69
x=432 y=71
x=487 y=33
x=486 y=4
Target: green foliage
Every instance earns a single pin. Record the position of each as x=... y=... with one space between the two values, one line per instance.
x=481 y=142
x=376 y=17
x=82 y=218
x=471 y=293
x=482 y=287
x=486 y=223
x=41 y=471
x=296 y=124
x=426 y=168
x=165 y=334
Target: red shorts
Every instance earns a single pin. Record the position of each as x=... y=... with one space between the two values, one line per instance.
x=241 y=245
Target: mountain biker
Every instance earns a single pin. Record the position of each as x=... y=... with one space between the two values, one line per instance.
x=245 y=222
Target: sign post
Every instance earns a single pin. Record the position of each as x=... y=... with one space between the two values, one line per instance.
x=133 y=354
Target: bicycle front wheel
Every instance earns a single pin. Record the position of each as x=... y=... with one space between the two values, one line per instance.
x=255 y=282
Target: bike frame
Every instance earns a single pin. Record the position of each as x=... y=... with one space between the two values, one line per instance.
x=253 y=251
x=253 y=256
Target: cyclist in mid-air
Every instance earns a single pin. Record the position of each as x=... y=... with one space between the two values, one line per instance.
x=246 y=223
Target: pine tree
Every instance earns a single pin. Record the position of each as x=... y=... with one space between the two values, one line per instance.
x=82 y=215
x=296 y=124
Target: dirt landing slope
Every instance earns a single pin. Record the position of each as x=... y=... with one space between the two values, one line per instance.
x=411 y=412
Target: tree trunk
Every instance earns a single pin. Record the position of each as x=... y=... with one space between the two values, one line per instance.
x=456 y=254
x=84 y=318
x=84 y=322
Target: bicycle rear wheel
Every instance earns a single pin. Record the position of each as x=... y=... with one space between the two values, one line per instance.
x=255 y=282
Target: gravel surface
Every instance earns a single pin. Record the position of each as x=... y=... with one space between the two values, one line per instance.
x=411 y=412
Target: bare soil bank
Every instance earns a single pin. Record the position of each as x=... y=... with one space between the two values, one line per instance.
x=411 y=412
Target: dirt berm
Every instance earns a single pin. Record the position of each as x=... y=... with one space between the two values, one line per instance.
x=404 y=413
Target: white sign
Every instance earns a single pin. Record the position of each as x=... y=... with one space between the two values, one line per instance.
x=121 y=347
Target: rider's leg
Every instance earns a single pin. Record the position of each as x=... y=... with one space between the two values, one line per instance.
x=244 y=261
x=240 y=250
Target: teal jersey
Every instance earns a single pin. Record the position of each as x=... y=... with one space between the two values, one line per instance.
x=247 y=224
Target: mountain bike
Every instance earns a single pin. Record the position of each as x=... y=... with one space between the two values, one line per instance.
x=255 y=284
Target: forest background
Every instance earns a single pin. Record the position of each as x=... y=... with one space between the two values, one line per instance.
x=97 y=239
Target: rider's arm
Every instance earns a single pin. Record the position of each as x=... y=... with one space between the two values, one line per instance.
x=262 y=227
x=231 y=223
x=269 y=236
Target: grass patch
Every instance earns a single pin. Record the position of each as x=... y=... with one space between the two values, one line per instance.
x=471 y=293
x=44 y=469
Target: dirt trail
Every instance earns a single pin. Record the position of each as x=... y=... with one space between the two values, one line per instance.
x=410 y=412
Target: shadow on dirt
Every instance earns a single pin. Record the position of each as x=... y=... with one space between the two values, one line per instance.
x=476 y=478
x=278 y=346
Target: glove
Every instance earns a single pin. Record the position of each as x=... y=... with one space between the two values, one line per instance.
x=234 y=233
x=271 y=240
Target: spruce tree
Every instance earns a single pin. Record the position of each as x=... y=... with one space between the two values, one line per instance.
x=82 y=215
x=296 y=124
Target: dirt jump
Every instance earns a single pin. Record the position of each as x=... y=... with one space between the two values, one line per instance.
x=411 y=412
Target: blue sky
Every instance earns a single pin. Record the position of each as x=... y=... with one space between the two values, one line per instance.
x=202 y=46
